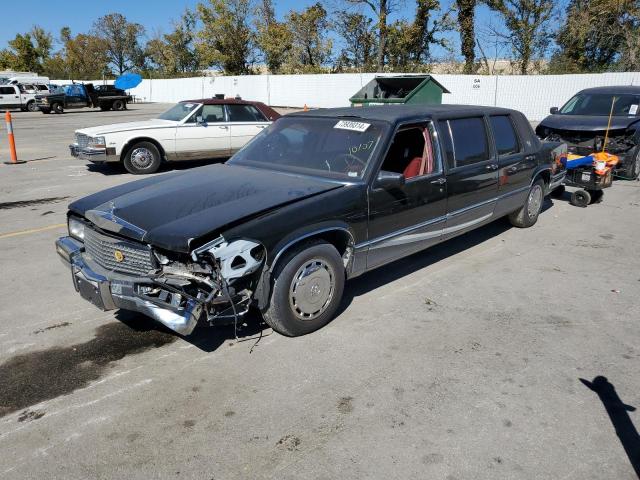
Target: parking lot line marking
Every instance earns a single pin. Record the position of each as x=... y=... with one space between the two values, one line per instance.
x=32 y=230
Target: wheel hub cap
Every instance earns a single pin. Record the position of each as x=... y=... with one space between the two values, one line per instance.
x=141 y=158
x=535 y=201
x=311 y=290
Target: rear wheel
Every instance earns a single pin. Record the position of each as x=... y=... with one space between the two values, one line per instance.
x=142 y=158
x=527 y=215
x=57 y=107
x=118 y=105
x=307 y=290
x=32 y=107
x=580 y=198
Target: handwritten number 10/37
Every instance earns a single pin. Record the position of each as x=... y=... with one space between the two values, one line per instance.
x=358 y=148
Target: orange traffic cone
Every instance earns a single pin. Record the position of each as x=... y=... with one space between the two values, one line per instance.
x=12 y=141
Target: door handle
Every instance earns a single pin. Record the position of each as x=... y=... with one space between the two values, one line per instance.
x=440 y=181
x=223 y=127
x=261 y=126
x=512 y=169
x=492 y=166
x=530 y=158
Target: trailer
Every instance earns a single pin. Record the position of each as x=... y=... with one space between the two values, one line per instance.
x=591 y=174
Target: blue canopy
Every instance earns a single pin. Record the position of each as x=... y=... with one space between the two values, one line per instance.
x=128 y=80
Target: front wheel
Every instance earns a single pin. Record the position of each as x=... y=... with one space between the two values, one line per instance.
x=527 y=215
x=142 y=158
x=632 y=172
x=580 y=198
x=307 y=290
x=57 y=108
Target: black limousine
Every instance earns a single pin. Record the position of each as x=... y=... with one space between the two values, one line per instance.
x=317 y=198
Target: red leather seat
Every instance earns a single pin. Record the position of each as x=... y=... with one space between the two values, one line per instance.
x=413 y=168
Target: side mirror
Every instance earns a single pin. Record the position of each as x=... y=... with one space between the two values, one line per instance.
x=553 y=110
x=389 y=180
x=200 y=120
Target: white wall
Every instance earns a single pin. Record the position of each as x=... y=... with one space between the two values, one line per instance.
x=531 y=94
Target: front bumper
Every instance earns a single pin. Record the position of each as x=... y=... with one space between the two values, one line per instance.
x=109 y=291
x=97 y=155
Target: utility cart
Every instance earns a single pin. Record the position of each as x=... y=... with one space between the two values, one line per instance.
x=590 y=174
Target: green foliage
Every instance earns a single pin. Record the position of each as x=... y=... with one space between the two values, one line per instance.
x=528 y=29
x=274 y=39
x=27 y=52
x=359 y=39
x=227 y=39
x=175 y=54
x=310 y=48
x=598 y=35
x=466 y=26
x=122 y=40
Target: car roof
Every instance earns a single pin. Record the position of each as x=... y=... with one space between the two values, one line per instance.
x=613 y=89
x=399 y=113
x=222 y=101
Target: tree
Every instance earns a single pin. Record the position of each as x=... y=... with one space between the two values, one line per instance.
x=28 y=51
x=227 y=39
x=359 y=40
x=598 y=35
x=274 y=38
x=466 y=25
x=310 y=47
x=527 y=24
x=381 y=9
x=85 y=57
x=410 y=44
x=122 y=39
x=175 y=53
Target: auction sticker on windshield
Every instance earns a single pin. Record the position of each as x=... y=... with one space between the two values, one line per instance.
x=349 y=125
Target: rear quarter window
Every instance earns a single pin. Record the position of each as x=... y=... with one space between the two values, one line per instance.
x=504 y=134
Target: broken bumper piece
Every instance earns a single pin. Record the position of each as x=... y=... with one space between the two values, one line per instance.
x=109 y=291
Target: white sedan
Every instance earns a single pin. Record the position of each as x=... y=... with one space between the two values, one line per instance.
x=190 y=130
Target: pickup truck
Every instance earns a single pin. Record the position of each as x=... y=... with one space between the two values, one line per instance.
x=14 y=97
x=316 y=199
x=78 y=95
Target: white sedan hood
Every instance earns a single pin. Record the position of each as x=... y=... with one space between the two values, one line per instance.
x=125 y=127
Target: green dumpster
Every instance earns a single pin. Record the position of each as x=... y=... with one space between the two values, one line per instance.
x=404 y=89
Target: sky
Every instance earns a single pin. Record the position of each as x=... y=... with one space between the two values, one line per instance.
x=155 y=15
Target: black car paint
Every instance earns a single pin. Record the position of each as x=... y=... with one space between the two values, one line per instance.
x=371 y=225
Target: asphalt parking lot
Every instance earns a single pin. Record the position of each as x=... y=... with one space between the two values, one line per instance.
x=475 y=359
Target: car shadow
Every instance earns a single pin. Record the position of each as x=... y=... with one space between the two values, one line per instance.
x=619 y=415
x=116 y=168
x=207 y=338
x=393 y=271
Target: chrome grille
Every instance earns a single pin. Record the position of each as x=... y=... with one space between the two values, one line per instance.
x=82 y=140
x=102 y=250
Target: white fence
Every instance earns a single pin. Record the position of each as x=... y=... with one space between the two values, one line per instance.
x=531 y=94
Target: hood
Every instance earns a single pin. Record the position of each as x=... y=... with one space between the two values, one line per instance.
x=171 y=210
x=588 y=123
x=126 y=127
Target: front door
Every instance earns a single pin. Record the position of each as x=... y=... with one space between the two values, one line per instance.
x=472 y=176
x=9 y=97
x=208 y=138
x=411 y=217
x=246 y=122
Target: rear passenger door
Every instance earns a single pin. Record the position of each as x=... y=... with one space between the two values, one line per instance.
x=9 y=96
x=514 y=164
x=246 y=121
x=472 y=175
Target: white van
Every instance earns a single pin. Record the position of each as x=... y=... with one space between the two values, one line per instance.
x=32 y=80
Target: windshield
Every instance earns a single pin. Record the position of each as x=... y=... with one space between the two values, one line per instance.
x=329 y=147
x=600 y=104
x=178 y=111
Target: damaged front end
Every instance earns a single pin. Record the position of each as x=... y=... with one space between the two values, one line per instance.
x=618 y=142
x=214 y=283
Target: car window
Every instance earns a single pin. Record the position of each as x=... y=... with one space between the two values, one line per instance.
x=42 y=87
x=212 y=113
x=504 y=134
x=179 y=111
x=6 y=90
x=464 y=141
x=244 y=113
x=412 y=152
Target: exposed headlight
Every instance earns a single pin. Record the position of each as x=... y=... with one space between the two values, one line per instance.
x=76 y=229
x=44 y=100
x=97 y=142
